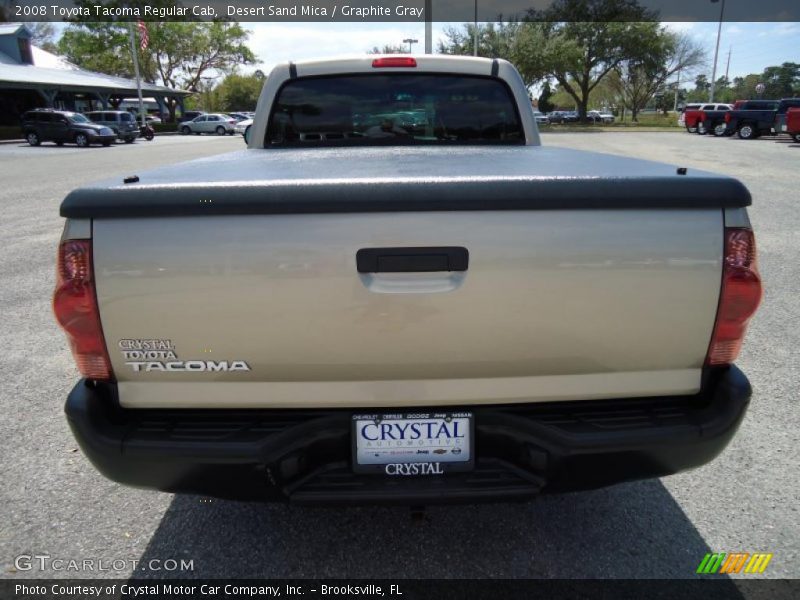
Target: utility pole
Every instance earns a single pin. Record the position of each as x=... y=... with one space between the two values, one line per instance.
x=475 y=42
x=428 y=27
x=410 y=41
x=716 y=51
x=677 y=90
x=728 y=66
x=136 y=71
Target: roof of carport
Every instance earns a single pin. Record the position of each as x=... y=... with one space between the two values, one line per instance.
x=32 y=77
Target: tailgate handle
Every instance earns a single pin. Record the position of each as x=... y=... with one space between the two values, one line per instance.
x=412 y=260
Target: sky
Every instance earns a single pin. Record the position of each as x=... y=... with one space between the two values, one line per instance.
x=753 y=46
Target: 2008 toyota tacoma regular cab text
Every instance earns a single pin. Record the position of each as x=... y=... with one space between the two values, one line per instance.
x=396 y=294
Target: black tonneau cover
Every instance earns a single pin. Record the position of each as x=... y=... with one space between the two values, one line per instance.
x=391 y=179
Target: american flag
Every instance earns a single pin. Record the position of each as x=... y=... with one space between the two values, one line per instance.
x=144 y=39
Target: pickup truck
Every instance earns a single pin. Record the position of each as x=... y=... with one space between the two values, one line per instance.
x=751 y=118
x=793 y=123
x=781 y=118
x=712 y=120
x=689 y=117
x=396 y=294
x=693 y=116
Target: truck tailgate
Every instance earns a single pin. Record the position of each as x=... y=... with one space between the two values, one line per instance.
x=554 y=305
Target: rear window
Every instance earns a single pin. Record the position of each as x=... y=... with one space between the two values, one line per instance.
x=760 y=105
x=396 y=109
x=788 y=103
x=76 y=118
x=127 y=117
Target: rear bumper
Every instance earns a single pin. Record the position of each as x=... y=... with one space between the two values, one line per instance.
x=304 y=455
x=128 y=135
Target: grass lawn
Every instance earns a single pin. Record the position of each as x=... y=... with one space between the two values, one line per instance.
x=646 y=122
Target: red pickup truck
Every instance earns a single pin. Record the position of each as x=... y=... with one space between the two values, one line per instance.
x=689 y=117
x=793 y=123
x=693 y=115
x=713 y=120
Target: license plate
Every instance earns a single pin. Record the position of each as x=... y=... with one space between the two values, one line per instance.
x=417 y=443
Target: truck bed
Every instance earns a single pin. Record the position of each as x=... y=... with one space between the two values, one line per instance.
x=403 y=179
x=577 y=286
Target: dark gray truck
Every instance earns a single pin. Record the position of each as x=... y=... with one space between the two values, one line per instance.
x=751 y=119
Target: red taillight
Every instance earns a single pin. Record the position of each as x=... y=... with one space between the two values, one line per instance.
x=739 y=297
x=394 y=61
x=75 y=307
x=727 y=117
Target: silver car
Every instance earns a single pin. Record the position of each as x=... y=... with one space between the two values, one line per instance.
x=540 y=117
x=213 y=123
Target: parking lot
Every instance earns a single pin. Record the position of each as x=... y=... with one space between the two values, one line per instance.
x=53 y=502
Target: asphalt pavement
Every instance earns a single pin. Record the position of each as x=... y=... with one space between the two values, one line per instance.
x=53 y=502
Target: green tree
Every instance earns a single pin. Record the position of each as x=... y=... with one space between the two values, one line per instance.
x=781 y=81
x=180 y=55
x=495 y=40
x=701 y=89
x=239 y=92
x=101 y=47
x=604 y=95
x=545 y=105
x=723 y=91
x=579 y=42
x=43 y=35
x=576 y=43
x=389 y=49
x=641 y=77
x=745 y=87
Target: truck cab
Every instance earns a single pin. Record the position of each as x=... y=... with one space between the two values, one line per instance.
x=751 y=119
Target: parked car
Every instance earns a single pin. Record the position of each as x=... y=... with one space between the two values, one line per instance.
x=190 y=115
x=750 y=119
x=540 y=117
x=238 y=116
x=559 y=116
x=779 y=124
x=243 y=126
x=597 y=116
x=121 y=122
x=153 y=120
x=689 y=117
x=792 y=126
x=46 y=125
x=450 y=314
x=213 y=123
x=712 y=119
